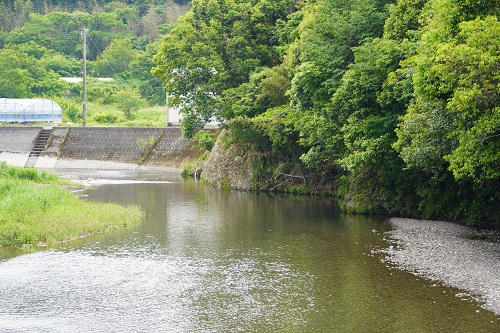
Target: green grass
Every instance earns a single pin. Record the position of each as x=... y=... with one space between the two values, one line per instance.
x=41 y=212
x=144 y=117
x=151 y=116
x=30 y=174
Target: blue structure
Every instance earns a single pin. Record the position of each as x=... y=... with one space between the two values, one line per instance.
x=29 y=111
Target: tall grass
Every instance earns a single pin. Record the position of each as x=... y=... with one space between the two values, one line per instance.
x=34 y=214
x=30 y=174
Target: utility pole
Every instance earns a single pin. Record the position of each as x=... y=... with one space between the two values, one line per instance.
x=84 y=95
x=168 y=110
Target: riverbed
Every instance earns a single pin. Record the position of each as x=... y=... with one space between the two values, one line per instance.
x=209 y=260
x=452 y=254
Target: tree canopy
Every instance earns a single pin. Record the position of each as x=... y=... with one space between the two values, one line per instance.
x=214 y=48
x=121 y=37
x=393 y=104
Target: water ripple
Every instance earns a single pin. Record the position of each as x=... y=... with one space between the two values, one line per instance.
x=80 y=292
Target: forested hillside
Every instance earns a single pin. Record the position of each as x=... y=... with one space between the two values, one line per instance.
x=395 y=104
x=392 y=104
x=41 y=41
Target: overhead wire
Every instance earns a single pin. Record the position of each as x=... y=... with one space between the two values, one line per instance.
x=82 y=24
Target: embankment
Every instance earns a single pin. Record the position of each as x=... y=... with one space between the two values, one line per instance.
x=98 y=147
x=229 y=166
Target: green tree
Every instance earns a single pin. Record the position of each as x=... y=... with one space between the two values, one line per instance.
x=63 y=65
x=115 y=59
x=49 y=59
x=61 y=31
x=23 y=76
x=319 y=57
x=140 y=69
x=403 y=20
x=22 y=9
x=46 y=82
x=368 y=131
x=214 y=47
x=6 y=21
x=449 y=136
x=267 y=88
x=105 y=27
x=58 y=31
x=128 y=101
x=455 y=117
x=15 y=79
x=72 y=111
x=15 y=83
x=322 y=52
x=206 y=139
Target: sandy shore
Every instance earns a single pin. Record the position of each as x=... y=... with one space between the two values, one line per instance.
x=455 y=255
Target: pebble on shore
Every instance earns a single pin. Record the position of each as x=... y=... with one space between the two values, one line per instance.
x=455 y=255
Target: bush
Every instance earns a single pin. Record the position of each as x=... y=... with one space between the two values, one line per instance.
x=72 y=111
x=129 y=100
x=105 y=118
x=188 y=168
x=206 y=139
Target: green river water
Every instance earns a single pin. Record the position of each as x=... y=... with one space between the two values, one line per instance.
x=208 y=260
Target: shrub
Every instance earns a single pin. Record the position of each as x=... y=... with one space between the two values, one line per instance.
x=206 y=139
x=129 y=101
x=71 y=109
x=105 y=118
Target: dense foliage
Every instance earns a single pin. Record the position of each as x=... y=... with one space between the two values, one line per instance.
x=394 y=103
x=215 y=47
x=42 y=41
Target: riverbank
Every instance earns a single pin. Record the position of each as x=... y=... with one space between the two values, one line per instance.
x=455 y=255
x=37 y=209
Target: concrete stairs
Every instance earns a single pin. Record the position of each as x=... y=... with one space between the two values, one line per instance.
x=39 y=146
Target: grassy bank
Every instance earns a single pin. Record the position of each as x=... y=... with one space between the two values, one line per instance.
x=109 y=115
x=36 y=209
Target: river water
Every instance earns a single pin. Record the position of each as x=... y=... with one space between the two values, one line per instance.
x=207 y=260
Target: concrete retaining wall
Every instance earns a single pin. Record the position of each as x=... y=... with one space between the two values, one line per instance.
x=108 y=144
x=18 y=139
x=102 y=147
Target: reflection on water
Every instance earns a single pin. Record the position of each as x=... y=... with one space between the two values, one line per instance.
x=206 y=260
x=82 y=292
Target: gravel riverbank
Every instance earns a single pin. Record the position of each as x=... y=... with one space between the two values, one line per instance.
x=455 y=255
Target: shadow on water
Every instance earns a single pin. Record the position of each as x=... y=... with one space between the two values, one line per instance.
x=207 y=260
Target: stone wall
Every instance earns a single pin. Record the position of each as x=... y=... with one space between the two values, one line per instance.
x=108 y=144
x=229 y=167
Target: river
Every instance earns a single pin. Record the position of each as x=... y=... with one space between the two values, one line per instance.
x=208 y=260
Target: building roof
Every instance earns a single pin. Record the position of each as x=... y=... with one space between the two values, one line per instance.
x=79 y=79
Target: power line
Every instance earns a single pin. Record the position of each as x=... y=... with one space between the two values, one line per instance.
x=100 y=52
x=79 y=21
